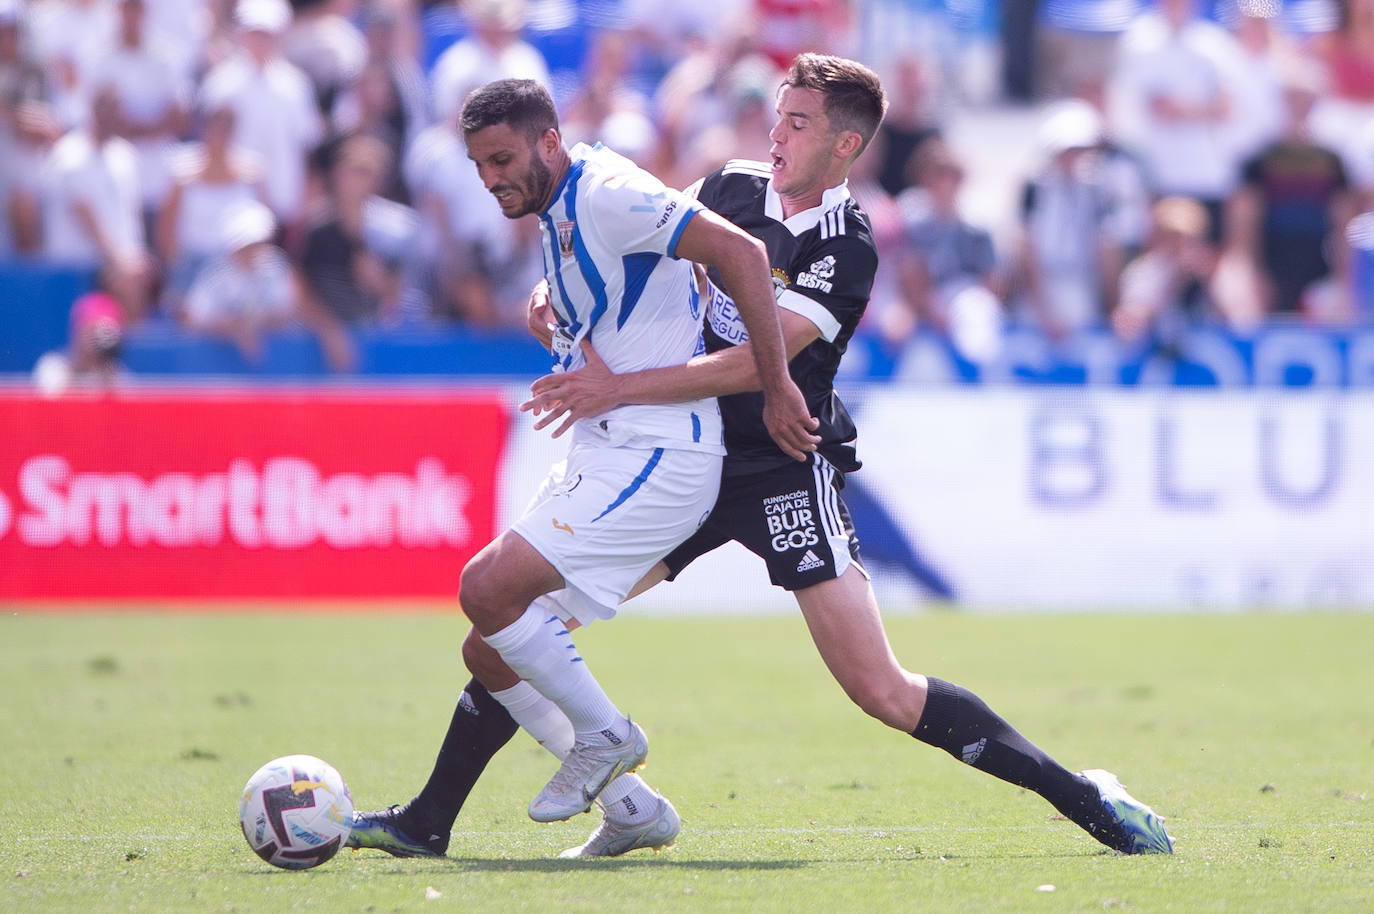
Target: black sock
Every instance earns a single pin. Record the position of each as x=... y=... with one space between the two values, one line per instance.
x=481 y=726
x=957 y=721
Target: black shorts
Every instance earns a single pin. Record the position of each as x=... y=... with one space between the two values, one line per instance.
x=792 y=517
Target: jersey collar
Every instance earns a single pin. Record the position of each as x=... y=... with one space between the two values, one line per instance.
x=808 y=218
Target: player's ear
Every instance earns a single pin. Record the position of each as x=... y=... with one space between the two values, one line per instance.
x=549 y=142
x=848 y=144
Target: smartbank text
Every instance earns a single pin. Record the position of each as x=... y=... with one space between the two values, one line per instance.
x=284 y=503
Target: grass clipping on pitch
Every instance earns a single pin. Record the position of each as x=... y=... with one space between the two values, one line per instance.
x=127 y=737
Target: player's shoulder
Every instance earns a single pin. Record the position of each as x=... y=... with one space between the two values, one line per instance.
x=605 y=173
x=848 y=219
x=736 y=183
x=843 y=228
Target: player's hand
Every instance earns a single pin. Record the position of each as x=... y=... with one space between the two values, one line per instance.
x=572 y=395
x=539 y=317
x=790 y=422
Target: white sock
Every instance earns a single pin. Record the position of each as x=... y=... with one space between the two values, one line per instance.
x=627 y=799
x=539 y=648
x=539 y=717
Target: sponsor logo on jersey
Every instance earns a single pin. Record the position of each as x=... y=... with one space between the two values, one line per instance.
x=819 y=276
x=810 y=561
x=723 y=317
x=667 y=214
x=565 y=237
x=791 y=520
x=562 y=343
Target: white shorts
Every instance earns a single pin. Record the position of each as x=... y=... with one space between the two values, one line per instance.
x=605 y=515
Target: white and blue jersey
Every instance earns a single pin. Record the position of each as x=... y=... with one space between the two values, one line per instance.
x=610 y=234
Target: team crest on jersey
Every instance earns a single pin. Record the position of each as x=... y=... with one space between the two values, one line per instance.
x=780 y=282
x=565 y=237
x=820 y=274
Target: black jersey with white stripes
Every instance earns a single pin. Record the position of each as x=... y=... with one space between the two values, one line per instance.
x=823 y=262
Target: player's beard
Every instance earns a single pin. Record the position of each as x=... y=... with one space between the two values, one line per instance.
x=538 y=183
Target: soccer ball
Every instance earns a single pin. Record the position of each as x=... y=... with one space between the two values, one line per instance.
x=296 y=812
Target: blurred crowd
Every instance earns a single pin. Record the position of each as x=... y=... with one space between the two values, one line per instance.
x=236 y=166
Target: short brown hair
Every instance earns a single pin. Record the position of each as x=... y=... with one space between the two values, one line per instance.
x=854 y=97
x=522 y=104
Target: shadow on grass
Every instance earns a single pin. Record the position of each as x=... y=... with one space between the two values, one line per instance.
x=498 y=865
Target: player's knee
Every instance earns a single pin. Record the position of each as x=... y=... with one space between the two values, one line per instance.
x=481 y=659
x=882 y=697
x=474 y=592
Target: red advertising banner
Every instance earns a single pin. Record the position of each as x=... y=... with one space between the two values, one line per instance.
x=300 y=493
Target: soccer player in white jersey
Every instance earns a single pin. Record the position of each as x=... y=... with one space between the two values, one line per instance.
x=638 y=479
x=822 y=258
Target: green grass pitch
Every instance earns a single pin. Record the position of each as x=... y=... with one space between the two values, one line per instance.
x=125 y=739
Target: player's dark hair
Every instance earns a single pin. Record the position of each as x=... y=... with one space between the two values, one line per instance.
x=854 y=97
x=522 y=104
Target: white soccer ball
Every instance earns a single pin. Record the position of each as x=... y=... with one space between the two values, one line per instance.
x=296 y=812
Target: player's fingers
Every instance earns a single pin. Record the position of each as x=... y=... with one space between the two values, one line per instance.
x=548 y=413
x=801 y=442
x=536 y=404
x=589 y=352
x=567 y=424
x=546 y=383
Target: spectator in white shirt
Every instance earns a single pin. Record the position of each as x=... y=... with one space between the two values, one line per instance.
x=249 y=289
x=153 y=99
x=92 y=207
x=1173 y=104
x=274 y=104
x=1068 y=259
x=27 y=129
x=71 y=36
x=210 y=180
x=494 y=50
x=326 y=45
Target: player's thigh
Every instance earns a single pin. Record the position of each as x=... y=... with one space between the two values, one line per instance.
x=616 y=513
x=793 y=518
x=843 y=618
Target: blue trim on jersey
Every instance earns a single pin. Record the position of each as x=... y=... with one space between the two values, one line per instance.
x=677 y=232
x=590 y=275
x=696 y=428
x=638 y=268
x=634 y=484
x=568 y=185
x=562 y=183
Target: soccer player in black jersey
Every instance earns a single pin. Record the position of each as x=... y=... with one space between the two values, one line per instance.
x=790 y=513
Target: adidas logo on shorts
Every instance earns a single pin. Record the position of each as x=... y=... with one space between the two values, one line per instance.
x=810 y=561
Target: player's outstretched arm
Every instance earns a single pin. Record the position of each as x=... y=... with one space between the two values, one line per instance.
x=742 y=263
